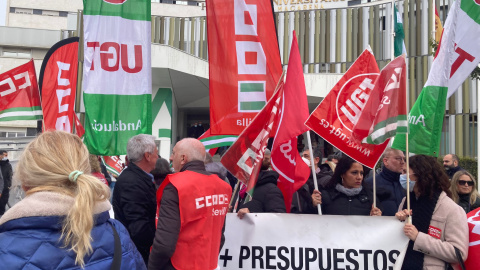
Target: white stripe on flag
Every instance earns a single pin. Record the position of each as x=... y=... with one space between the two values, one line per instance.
x=228 y=139
x=20 y=113
x=382 y=131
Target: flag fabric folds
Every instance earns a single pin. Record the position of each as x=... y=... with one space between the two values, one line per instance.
x=78 y=126
x=117 y=73
x=438 y=27
x=58 y=85
x=385 y=112
x=399 y=40
x=212 y=142
x=113 y=164
x=244 y=62
x=244 y=158
x=19 y=95
x=473 y=260
x=285 y=158
x=456 y=57
x=336 y=115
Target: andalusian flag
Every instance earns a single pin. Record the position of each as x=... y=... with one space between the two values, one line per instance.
x=457 y=56
x=117 y=79
x=214 y=141
x=438 y=27
x=399 y=42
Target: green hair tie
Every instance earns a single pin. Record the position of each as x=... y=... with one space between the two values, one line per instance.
x=74 y=175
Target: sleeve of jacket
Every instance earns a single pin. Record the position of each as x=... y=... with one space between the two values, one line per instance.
x=2 y=182
x=168 y=229
x=274 y=202
x=455 y=234
x=135 y=208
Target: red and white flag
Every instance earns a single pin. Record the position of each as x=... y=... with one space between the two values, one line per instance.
x=58 y=85
x=19 y=96
x=244 y=62
x=340 y=110
x=78 y=126
x=244 y=158
x=473 y=260
x=285 y=158
x=385 y=113
x=113 y=163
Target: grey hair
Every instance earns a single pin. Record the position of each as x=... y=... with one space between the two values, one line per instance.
x=267 y=152
x=139 y=145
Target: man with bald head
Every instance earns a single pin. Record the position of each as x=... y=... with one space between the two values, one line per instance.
x=389 y=189
x=450 y=163
x=192 y=208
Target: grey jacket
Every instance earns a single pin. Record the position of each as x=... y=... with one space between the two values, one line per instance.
x=451 y=221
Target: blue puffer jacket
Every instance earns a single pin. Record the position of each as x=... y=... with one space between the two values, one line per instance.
x=29 y=238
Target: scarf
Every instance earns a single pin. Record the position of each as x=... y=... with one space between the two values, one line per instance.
x=348 y=191
x=422 y=211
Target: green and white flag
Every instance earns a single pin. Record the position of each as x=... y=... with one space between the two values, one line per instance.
x=117 y=77
x=399 y=41
x=457 y=57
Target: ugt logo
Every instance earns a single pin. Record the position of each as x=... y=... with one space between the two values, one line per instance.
x=115 y=2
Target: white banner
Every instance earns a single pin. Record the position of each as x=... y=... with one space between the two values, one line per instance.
x=290 y=241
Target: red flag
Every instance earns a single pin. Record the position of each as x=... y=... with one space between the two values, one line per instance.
x=338 y=112
x=58 y=85
x=244 y=62
x=473 y=260
x=244 y=158
x=78 y=126
x=385 y=113
x=114 y=164
x=19 y=96
x=285 y=157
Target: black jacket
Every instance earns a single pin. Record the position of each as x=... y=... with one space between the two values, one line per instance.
x=337 y=203
x=464 y=202
x=388 y=182
x=168 y=228
x=452 y=171
x=135 y=204
x=302 y=198
x=267 y=197
x=7 y=173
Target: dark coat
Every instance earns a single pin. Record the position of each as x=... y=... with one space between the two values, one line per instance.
x=168 y=228
x=302 y=198
x=452 y=171
x=135 y=205
x=337 y=203
x=389 y=182
x=7 y=173
x=464 y=202
x=267 y=197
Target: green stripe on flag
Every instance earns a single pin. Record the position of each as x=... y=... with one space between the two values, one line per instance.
x=387 y=129
x=252 y=87
x=139 y=10
x=22 y=109
x=472 y=9
x=252 y=105
x=425 y=122
x=21 y=113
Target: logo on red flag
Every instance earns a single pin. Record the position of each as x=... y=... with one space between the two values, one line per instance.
x=385 y=113
x=114 y=164
x=58 y=85
x=244 y=62
x=285 y=158
x=19 y=96
x=473 y=218
x=244 y=158
x=339 y=111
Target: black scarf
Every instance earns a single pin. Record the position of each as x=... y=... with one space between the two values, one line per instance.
x=422 y=211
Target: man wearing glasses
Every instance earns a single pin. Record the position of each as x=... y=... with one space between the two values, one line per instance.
x=389 y=189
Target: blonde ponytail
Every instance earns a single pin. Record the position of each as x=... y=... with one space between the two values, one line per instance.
x=46 y=165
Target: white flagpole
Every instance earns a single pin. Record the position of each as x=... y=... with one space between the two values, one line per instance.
x=392 y=47
x=374 y=186
x=315 y=184
x=478 y=132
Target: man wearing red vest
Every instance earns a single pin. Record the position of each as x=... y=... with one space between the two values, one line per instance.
x=192 y=208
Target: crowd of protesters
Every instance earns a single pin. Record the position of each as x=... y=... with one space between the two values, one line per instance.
x=160 y=207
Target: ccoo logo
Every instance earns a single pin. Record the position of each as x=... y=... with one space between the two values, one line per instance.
x=115 y=2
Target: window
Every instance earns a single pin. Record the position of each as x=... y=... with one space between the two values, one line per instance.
x=23 y=10
x=16 y=52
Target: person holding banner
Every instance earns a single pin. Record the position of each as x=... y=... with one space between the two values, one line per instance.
x=63 y=222
x=345 y=193
x=439 y=226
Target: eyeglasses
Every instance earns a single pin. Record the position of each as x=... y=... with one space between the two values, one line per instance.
x=400 y=159
x=463 y=182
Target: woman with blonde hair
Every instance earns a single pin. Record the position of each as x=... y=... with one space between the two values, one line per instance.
x=464 y=191
x=63 y=222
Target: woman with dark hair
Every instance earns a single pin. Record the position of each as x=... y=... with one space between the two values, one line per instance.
x=464 y=191
x=345 y=193
x=439 y=225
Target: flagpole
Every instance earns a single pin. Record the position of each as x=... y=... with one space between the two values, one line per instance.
x=392 y=45
x=230 y=206
x=374 y=186
x=407 y=154
x=315 y=184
